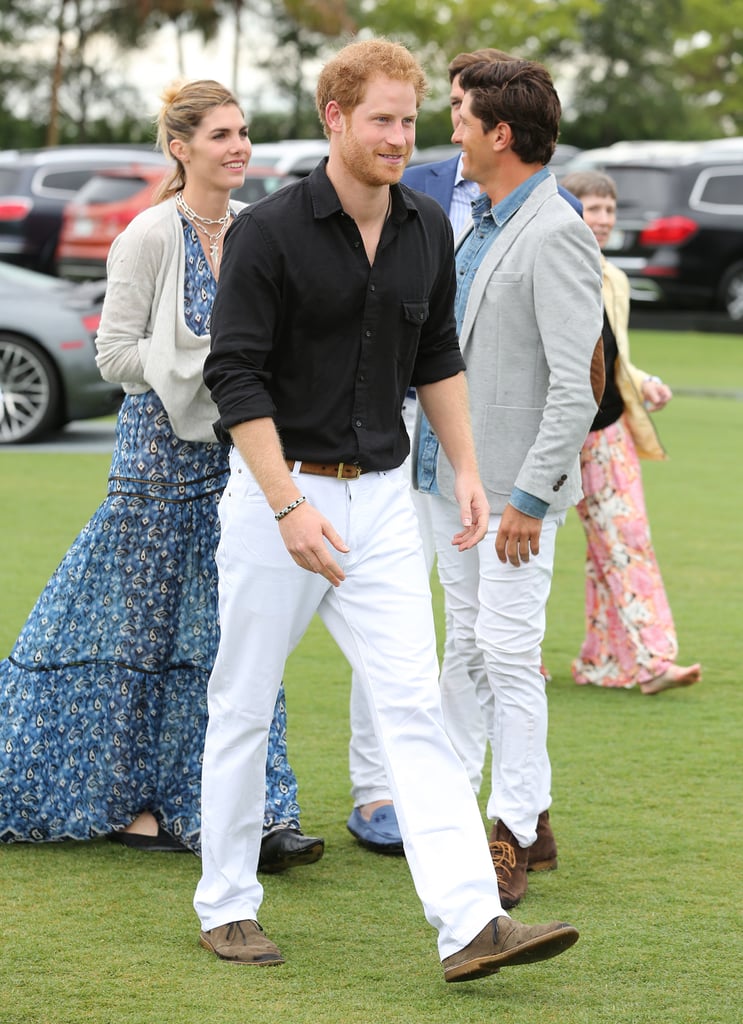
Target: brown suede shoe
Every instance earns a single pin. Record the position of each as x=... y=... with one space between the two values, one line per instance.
x=504 y=942
x=543 y=852
x=510 y=862
x=241 y=942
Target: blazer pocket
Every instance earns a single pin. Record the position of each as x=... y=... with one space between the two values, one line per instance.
x=505 y=277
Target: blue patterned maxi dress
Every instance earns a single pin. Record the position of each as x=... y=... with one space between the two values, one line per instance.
x=103 y=698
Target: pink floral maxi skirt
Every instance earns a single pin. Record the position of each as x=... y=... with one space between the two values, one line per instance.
x=630 y=635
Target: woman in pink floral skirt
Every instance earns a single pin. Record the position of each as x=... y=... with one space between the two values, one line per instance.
x=630 y=636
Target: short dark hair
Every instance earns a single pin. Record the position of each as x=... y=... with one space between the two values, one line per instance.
x=521 y=94
x=463 y=60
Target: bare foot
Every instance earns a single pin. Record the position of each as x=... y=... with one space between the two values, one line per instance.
x=675 y=675
x=145 y=824
x=366 y=810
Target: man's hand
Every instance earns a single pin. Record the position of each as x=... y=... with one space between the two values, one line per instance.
x=518 y=536
x=474 y=510
x=304 y=532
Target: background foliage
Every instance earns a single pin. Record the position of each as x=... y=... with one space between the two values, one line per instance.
x=634 y=69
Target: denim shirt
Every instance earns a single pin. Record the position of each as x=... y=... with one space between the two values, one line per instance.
x=488 y=222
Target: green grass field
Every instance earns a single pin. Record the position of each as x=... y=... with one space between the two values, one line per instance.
x=645 y=802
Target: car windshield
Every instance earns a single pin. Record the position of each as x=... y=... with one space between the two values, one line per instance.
x=642 y=191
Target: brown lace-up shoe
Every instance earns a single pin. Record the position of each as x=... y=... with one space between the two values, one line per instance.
x=504 y=942
x=510 y=862
x=241 y=942
x=543 y=852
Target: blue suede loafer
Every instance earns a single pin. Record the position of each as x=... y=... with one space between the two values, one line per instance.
x=381 y=833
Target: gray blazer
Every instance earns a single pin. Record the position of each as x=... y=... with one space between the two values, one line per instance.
x=533 y=317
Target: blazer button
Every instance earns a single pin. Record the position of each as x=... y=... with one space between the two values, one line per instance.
x=555 y=487
x=563 y=478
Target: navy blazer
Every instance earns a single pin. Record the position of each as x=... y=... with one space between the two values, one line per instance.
x=436 y=180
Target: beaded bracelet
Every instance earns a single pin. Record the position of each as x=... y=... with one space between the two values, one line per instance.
x=289 y=508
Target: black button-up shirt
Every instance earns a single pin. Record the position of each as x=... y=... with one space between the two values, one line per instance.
x=304 y=330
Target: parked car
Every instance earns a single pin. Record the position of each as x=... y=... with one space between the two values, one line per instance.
x=679 y=231
x=110 y=199
x=35 y=187
x=48 y=374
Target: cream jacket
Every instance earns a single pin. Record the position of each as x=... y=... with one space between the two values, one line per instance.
x=143 y=342
x=616 y=294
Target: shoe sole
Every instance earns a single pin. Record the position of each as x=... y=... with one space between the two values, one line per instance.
x=542 y=948
x=391 y=849
x=273 y=962
x=310 y=855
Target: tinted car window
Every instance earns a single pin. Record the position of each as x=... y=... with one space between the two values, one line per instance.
x=641 y=188
x=68 y=180
x=716 y=188
x=104 y=189
x=8 y=181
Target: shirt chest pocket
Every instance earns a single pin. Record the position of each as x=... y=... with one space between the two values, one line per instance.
x=415 y=313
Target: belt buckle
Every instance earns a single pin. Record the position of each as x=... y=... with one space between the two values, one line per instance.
x=342 y=466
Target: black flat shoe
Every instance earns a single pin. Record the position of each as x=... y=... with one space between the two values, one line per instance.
x=163 y=842
x=288 y=848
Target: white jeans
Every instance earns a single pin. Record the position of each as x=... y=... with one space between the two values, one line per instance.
x=466 y=728
x=498 y=616
x=381 y=618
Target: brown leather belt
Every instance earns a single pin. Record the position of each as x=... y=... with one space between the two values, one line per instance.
x=340 y=470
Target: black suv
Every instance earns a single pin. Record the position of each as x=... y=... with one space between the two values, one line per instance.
x=35 y=187
x=679 y=232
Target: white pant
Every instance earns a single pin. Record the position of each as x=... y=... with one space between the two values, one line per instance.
x=498 y=623
x=381 y=618
x=466 y=728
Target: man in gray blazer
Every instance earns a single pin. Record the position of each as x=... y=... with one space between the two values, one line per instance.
x=529 y=315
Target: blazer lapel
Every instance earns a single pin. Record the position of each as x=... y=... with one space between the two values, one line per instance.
x=497 y=251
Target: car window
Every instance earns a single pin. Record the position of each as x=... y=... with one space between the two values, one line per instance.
x=641 y=191
x=103 y=189
x=258 y=187
x=718 y=190
x=8 y=181
x=58 y=182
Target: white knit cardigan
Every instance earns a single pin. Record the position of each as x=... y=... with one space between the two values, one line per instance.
x=143 y=342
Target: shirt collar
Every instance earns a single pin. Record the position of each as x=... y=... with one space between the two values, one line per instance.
x=505 y=209
x=325 y=201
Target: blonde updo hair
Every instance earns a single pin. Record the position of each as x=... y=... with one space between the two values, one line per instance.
x=184 y=106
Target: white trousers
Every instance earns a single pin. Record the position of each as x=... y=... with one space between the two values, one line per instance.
x=498 y=614
x=465 y=726
x=382 y=620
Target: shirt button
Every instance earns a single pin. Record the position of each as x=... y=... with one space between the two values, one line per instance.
x=372 y=288
x=359 y=423
x=368 y=334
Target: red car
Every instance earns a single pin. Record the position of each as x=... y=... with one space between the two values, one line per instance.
x=109 y=200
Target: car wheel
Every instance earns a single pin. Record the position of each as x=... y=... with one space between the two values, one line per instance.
x=731 y=291
x=30 y=393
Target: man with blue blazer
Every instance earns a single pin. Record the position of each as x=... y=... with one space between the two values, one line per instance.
x=529 y=314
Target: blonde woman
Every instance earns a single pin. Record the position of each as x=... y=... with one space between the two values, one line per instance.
x=103 y=699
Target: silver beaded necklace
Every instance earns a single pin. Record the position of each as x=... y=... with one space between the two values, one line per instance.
x=202 y=224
